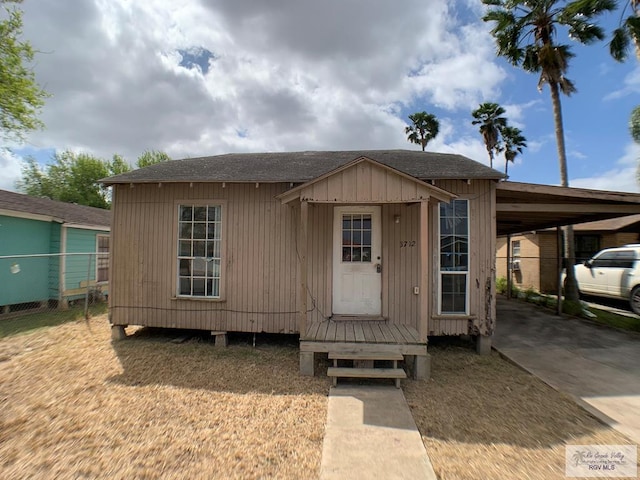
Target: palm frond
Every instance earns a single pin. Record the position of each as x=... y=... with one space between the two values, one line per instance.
x=530 y=61
x=566 y=86
x=619 y=44
x=587 y=8
x=585 y=32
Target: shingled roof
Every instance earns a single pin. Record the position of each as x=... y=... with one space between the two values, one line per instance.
x=299 y=167
x=61 y=211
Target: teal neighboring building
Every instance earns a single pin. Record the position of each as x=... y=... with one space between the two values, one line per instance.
x=50 y=251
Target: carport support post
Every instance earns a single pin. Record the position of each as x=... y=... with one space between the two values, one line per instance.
x=302 y=262
x=559 y=265
x=509 y=266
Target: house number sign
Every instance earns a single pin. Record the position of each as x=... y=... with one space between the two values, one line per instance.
x=407 y=243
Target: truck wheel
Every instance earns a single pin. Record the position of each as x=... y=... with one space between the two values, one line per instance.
x=634 y=300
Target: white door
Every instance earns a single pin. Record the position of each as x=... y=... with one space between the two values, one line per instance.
x=357 y=252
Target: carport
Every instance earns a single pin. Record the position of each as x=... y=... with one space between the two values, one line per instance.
x=527 y=207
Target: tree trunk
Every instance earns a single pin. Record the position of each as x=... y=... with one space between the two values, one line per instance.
x=571 y=286
x=506 y=167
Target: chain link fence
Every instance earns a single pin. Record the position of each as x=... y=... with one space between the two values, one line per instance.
x=52 y=288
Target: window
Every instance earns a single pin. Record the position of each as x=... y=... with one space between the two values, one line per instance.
x=199 y=250
x=615 y=259
x=454 y=256
x=515 y=249
x=586 y=246
x=102 y=258
x=356 y=238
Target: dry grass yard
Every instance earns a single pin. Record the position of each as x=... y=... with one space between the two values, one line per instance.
x=483 y=417
x=74 y=405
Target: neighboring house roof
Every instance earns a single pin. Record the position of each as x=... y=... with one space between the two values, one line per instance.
x=611 y=225
x=299 y=167
x=58 y=211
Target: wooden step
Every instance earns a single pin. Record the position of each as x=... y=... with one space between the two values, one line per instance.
x=365 y=356
x=345 y=372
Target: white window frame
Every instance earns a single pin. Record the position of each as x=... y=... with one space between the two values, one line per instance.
x=452 y=272
x=515 y=243
x=98 y=256
x=177 y=258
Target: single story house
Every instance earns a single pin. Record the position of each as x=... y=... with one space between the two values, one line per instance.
x=534 y=254
x=346 y=248
x=364 y=254
x=50 y=250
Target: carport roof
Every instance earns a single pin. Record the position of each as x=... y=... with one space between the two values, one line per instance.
x=526 y=207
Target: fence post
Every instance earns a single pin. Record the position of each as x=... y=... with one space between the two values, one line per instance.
x=559 y=269
x=509 y=270
x=86 y=297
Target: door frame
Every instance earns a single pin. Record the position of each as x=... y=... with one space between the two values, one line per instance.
x=376 y=256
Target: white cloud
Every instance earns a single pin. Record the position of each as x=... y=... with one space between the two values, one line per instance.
x=623 y=177
x=515 y=112
x=631 y=86
x=288 y=75
x=11 y=167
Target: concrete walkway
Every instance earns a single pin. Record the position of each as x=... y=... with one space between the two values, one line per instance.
x=598 y=366
x=370 y=433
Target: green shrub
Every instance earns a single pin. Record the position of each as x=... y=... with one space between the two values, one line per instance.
x=501 y=285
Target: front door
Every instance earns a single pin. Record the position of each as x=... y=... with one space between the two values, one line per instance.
x=357 y=251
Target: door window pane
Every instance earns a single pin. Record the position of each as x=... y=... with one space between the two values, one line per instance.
x=356 y=238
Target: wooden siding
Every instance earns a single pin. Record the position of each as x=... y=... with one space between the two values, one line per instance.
x=259 y=257
x=261 y=288
x=399 y=263
x=481 y=278
x=365 y=182
x=320 y=257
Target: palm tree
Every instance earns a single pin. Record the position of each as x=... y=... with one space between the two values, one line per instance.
x=489 y=117
x=514 y=142
x=525 y=32
x=634 y=129
x=634 y=124
x=628 y=32
x=424 y=129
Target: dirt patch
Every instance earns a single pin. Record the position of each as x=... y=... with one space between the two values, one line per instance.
x=77 y=406
x=483 y=417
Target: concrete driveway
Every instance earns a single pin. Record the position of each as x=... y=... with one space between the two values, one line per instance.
x=598 y=366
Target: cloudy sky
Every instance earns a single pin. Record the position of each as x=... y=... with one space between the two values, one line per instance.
x=207 y=77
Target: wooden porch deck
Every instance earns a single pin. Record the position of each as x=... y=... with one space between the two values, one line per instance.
x=373 y=332
x=362 y=339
